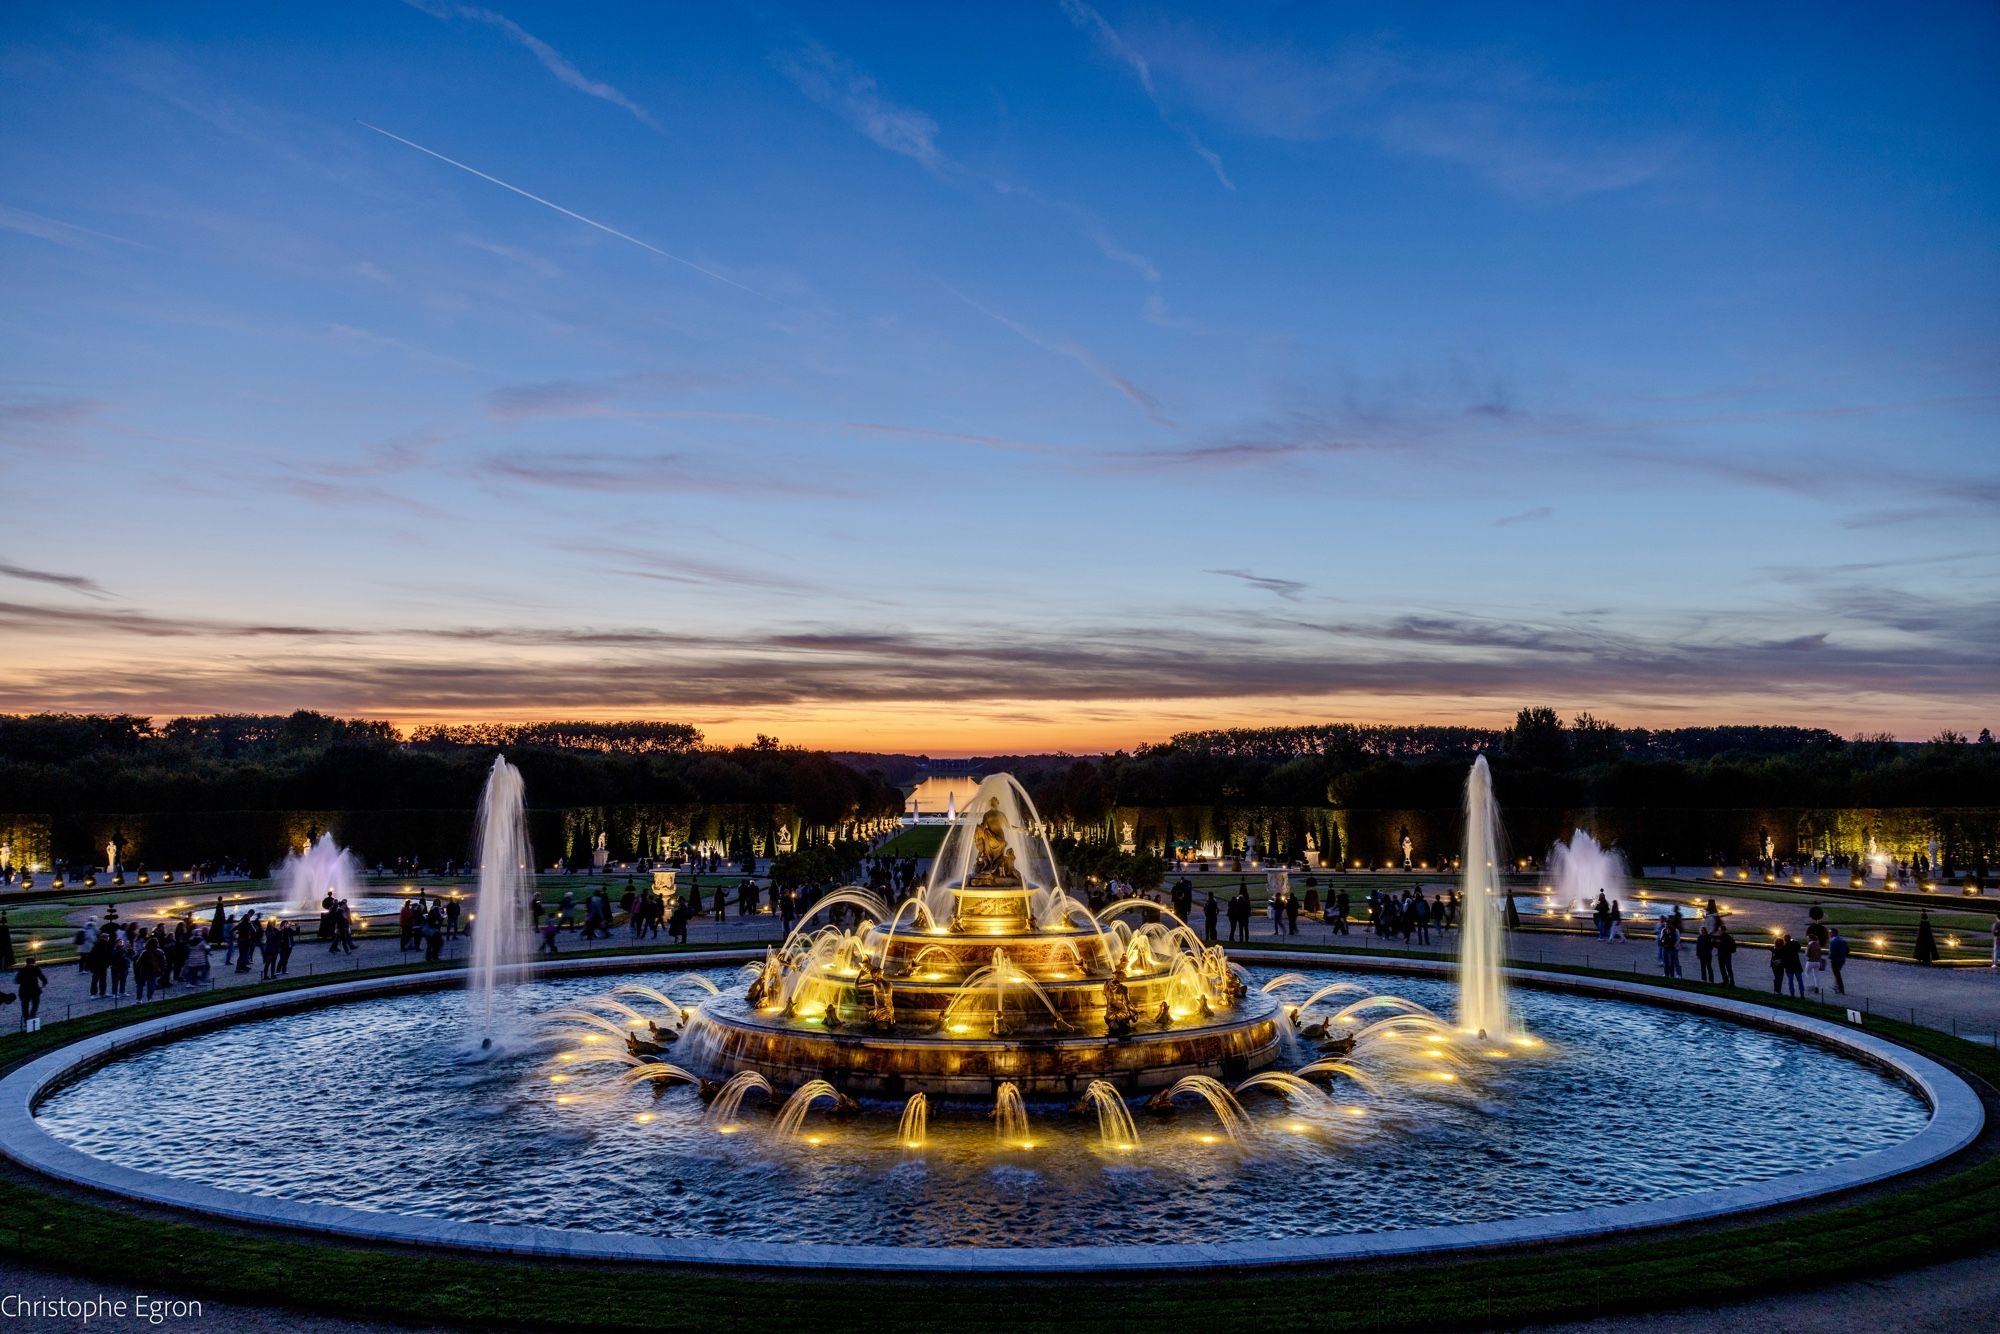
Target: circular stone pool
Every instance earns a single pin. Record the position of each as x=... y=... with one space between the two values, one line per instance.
x=1626 y=1115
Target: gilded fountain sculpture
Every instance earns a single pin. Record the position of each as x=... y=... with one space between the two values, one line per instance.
x=992 y=974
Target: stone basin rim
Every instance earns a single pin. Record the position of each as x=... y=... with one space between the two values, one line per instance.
x=1957 y=1118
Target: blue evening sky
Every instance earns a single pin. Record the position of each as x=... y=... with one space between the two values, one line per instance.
x=1015 y=375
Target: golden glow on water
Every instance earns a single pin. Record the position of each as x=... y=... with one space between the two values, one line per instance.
x=558 y=1079
x=645 y=1118
x=565 y=1099
x=1356 y=1111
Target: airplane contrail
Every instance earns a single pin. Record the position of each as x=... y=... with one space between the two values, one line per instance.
x=567 y=213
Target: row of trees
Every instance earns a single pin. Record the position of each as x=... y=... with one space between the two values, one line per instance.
x=311 y=761
x=1540 y=762
x=304 y=760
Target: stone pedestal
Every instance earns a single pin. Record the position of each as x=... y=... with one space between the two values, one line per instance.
x=1277 y=884
x=664 y=883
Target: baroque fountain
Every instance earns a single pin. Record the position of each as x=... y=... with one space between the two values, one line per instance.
x=993 y=989
x=993 y=975
x=985 y=1075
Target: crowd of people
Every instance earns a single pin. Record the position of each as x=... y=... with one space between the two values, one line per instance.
x=148 y=960
x=423 y=923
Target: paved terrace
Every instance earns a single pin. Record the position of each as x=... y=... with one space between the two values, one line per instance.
x=1964 y=1000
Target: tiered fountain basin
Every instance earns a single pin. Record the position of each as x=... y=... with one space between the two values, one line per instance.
x=969 y=1065
x=991 y=975
x=1640 y=1109
x=949 y=1036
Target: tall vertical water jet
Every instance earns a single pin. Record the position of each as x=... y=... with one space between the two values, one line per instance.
x=1482 y=986
x=506 y=881
x=322 y=869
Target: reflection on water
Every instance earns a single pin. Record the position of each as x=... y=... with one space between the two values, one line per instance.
x=369 y=1105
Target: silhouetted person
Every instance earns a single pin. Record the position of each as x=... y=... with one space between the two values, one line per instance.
x=1927 y=950
x=29 y=983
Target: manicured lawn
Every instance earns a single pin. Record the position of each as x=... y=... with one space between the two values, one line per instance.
x=921 y=840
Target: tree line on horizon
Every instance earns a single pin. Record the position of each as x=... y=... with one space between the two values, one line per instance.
x=315 y=761
x=1539 y=762
x=309 y=760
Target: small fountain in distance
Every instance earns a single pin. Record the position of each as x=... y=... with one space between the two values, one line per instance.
x=322 y=869
x=506 y=881
x=1482 y=983
x=1579 y=870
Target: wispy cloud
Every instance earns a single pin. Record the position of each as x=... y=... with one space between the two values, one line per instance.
x=1083 y=357
x=1944 y=657
x=349 y=333
x=588 y=398
x=330 y=493
x=550 y=204
x=398 y=453
x=675 y=568
x=1090 y=21
x=74 y=582
x=646 y=473
x=39 y=425
x=1291 y=590
x=66 y=234
x=46 y=411
x=1535 y=515
x=551 y=59
x=525 y=258
x=854 y=95
x=1523 y=134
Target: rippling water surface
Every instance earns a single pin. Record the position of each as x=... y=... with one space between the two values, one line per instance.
x=375 y=1105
